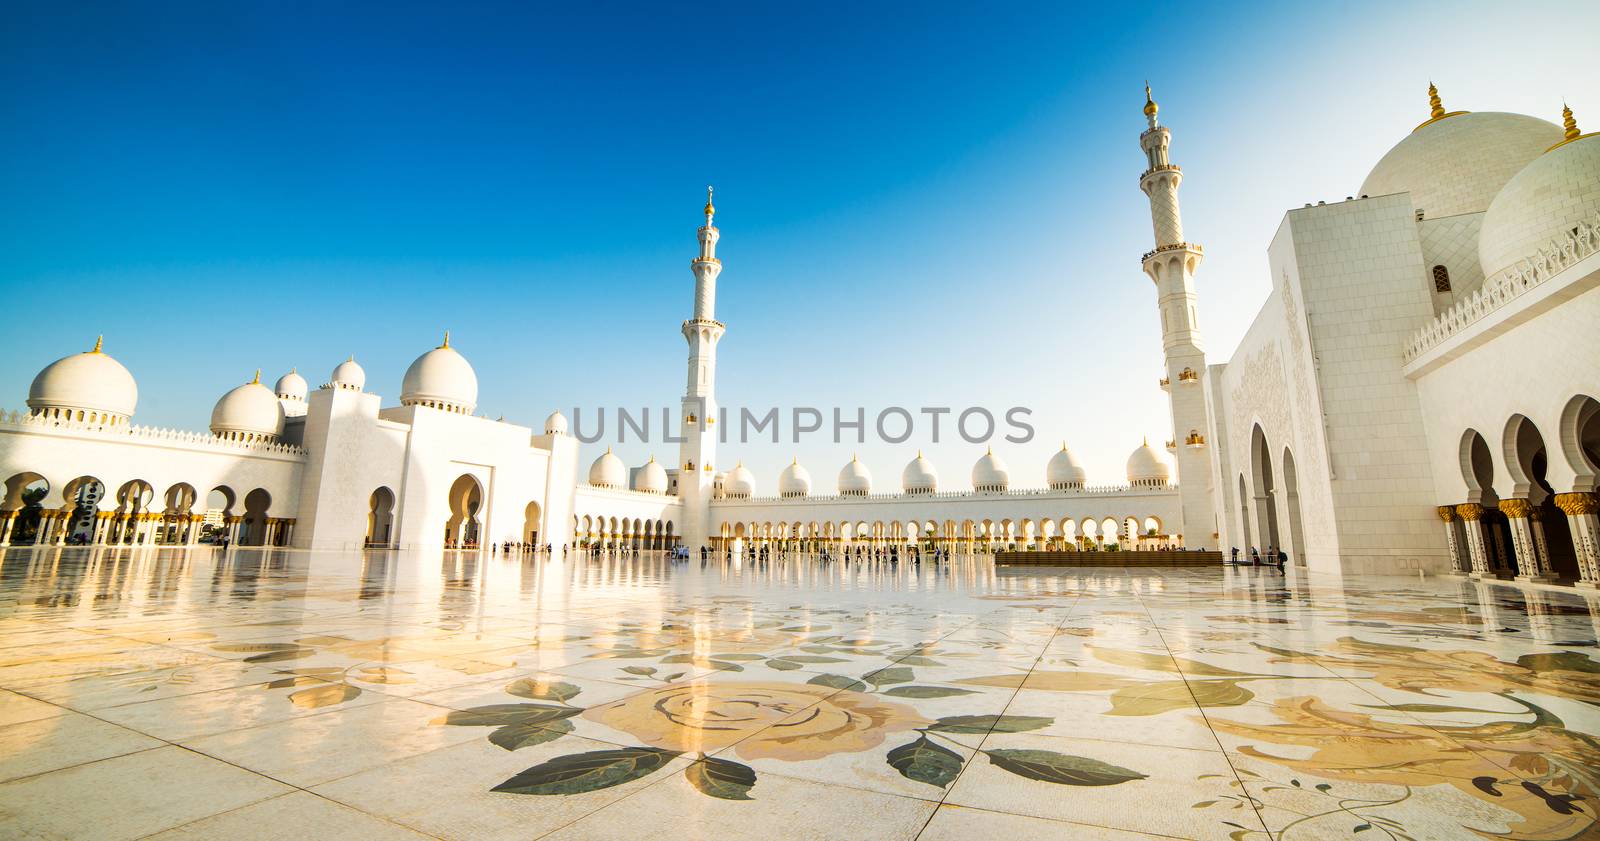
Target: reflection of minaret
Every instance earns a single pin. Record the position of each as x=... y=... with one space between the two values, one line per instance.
x=1172 y=266
x=699 y=449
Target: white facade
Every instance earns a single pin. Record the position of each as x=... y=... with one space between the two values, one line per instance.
x=1419 y=390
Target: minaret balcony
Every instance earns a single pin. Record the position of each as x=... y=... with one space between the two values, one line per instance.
x=1172 y=446
x=1188 y=375
x=1176 y=246
x=1195 y=441
x=1166 y=384
x=699 y=260
x=1159 y=168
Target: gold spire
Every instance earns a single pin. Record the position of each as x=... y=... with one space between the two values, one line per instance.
x=446 y=339
x=1569 y=125
x=710 y=208
x=1436 y=110
x=1150 y=106
x=257 y=379
x=100 y=340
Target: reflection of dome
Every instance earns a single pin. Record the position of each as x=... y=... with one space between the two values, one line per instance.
x=1146 y=469
x=990 y=474
x=349 y=375
x=608 y=471
x=441 y=379
x=652 y=478
x=855 y=479
x=1456 y=164
x=794 y=481
x=90 y=387
x=740 y=482
x=1542 y=205
x=556 y=424
x=1064 y=472
x=919 y=477
x=250 y=412
x=292 y=386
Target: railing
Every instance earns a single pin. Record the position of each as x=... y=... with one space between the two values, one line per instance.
x=25 y=422
x=1093 y=490
x=1177 y=246
x=1507 y=286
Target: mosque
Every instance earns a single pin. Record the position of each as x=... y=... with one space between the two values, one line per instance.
x=1417 y=393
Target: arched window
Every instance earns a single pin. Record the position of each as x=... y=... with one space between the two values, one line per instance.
x=1441 y=279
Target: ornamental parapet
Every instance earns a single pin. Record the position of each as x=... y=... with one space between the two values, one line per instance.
x=919 y=496
x=1176 y=246
x=1526 y=274
x=27 y=423
x=1161 y=168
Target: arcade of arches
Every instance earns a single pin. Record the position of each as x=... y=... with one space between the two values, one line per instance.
x=85 y=511
x=1045 y=534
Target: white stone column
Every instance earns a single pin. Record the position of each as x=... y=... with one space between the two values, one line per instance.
x=1471 y=514
x=8 y=521
x=1531 y=565
x=1460 y=564
x=1581 y=509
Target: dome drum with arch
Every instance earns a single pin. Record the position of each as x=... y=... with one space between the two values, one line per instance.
x=651 y=478
x=1542 y=206
x=740 y=483
x=88 y=387
x=1063 y=472
x=349 y=375
x=248 y=413
x=1146 y=469
x=855 y=479
x=919 y=477
x=556 y=424
x=989 y=474
x=794 y=481
x=441 y=379
x=608 y=471
x=1456 y=164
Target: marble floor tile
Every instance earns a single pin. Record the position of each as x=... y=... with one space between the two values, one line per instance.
x=16 y=708
x=961 y=823
x=127 y=797
x=50 y=743
x=297 y=816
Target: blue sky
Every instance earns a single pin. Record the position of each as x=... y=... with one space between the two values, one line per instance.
x=919 y=206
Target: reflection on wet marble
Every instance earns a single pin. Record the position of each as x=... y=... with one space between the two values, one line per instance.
x=280 y=694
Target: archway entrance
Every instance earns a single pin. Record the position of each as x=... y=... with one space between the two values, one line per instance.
x=1527 y=461
x=1291 y=494
x=23 y=510
x=81 y=499
x=466 y=500
x=1261 y=478
x=380 y=517
x=254 y=525
x=531 y=517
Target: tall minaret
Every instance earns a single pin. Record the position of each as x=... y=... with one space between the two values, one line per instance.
x=1172 y=266
x=697 y=464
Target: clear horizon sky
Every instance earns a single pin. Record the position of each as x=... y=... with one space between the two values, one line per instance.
x=919 y=206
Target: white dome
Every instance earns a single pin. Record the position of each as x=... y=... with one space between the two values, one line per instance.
x=990 y=474
x=1146 y=468
x=249 y=412
x=89 y=382
x=919 y=477
x=855 y=479
x=740 y=482
x=292 y=386
x=349 y=375
x=556 y=424
x=441 y=379
x=652 y=478
x=1542 y=205
x=794 y=481
x=608 y=471
x=1064 y=472
x=1457 y=164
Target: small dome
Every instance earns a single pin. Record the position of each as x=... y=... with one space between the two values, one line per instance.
x=292 y=386
x=556 y=424
x=741 y=483
x=348 y=375
x=1456 y=164
x=1542 y=205
x=794 y=481
x=652 y=478
x=990 y=474
x=250 y=412
x=82 y=385
x=1064 y=472
x=1146 y=468
x=608 y=471
x=441 y=379
x=919 y=477
x=855 y=479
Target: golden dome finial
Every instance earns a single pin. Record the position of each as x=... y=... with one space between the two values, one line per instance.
x=257 y=379
x=446 y=339
x=710 y=208
x=1150 y=106
x=99 y=342
x=1436 y=108
x=1569 y=122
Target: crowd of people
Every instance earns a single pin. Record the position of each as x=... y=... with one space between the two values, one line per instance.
x=1273 y=557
